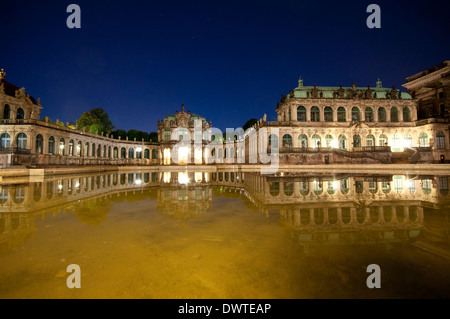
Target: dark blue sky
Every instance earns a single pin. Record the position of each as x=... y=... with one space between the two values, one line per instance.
x=226 y=60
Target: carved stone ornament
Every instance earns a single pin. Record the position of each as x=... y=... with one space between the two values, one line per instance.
x=315 y=92
x=341 y=92
x=20 y=93
x=393 y=93
x=368 y=93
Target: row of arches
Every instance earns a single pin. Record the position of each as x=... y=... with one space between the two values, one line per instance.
x=70 y=148
x=9 y=113
x=328 y=114
x=318 y=187
x=396 y=141
x=349 y=215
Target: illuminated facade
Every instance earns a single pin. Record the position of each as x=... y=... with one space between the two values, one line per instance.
x=338 y=125
x=314 y=125
x=183 y=138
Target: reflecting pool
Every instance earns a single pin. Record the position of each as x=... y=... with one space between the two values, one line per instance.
x=225 y=234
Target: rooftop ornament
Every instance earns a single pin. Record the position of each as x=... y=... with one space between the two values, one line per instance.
x=379 y=84
x=2 y=75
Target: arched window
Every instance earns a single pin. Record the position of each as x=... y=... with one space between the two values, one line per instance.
x=356 y=141
x=21 y=141
x=274 y=188
x=301 y=114
x=381 y=114
x=109 y=151
x=383 y=140
x=329 y=141
x=317 y=187
x=370 y=140
x=166 y=134
x=104 y=151
x=273 y=141
x=115 y=152
x=19 y=195
x=315 y=114
x=51 y=145
x=303 y=141
x=71 y=145
x=3 y=200
x=342 y=142
x=369 y=114
x=394 y=114
x=287 y=141
x=406 y=114
x=304 y=187
x=423 y=140
x=356 y=114
x=5 y=140
x=154 y=153
x=345 y=187
x=408 y=140
x=39 y=144
x=93 y=150
x=62 y=146
x=79 y=147
x=99 y=151
x=396 y=145
x=183 y=134
x=123 y=152
x=130 y=152
x=7 y=112
x=147 y=153
x=342 y=114
x=316 y=141
x=288 y=188
x=20 y=114
x=440 y=140
x=328 y=114
x=86 y=149
x=138 y=152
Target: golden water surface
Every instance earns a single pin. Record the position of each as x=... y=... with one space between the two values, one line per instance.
x=151 y=234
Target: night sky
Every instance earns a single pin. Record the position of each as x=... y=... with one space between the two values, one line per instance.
x=226 y=60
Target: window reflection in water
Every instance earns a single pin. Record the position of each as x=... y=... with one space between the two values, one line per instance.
x=312 y=211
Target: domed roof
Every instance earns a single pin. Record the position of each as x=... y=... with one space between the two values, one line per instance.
x=192 y=116
x=10 y=89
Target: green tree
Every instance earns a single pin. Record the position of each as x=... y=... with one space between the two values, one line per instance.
x=153 y=137
x=87 y=120
x=132 y=134
x=96 y=120
x=139 y=135
x=104 y=119
x=145 y=136
x=249 y=124
x=121 y=133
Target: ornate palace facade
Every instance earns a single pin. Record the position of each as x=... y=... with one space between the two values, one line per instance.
x=315 y=125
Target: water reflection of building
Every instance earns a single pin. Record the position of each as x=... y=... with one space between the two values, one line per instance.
x=314 y=125
x=179 y=194
x=317 y=209
x=359 y=210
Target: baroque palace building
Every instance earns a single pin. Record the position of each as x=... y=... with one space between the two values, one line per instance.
x=315 y=125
